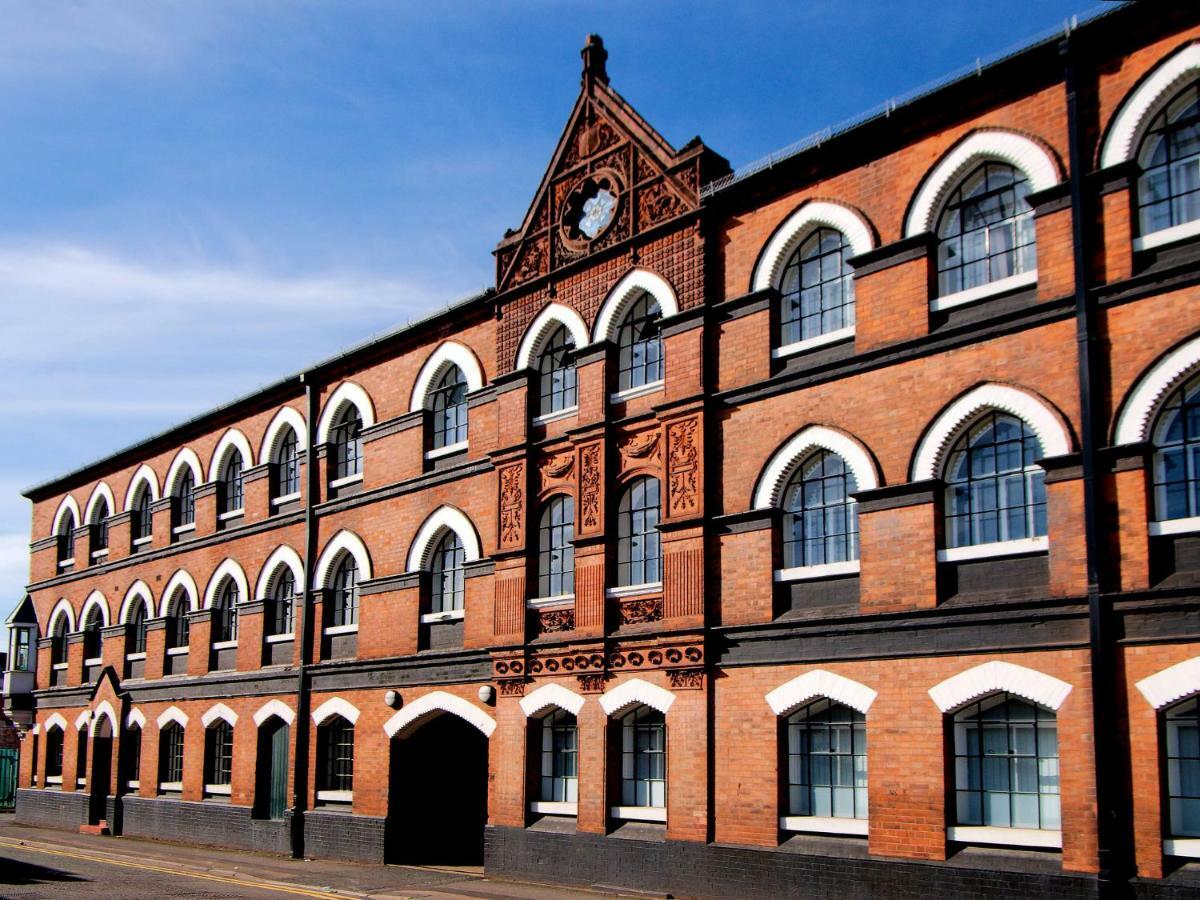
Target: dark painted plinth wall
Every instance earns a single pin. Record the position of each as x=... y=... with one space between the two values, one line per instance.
x=688 y=869
x=212 y=824
x=52 y=809
x=333 y=835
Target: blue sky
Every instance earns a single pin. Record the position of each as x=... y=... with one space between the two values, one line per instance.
x=196 y=198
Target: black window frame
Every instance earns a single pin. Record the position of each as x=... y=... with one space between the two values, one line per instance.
x=1180 y=413
x=185 y=499
x=335 y=753
x=556 y=548
x=346 y=438
x=98 y=538
x=447 y=580
x=137 y=628
x=640 y=359
x=218 y=754
x=142 y=520
x=448 y=402
x=819 y=530
x=558 y=388
x=231 y=488
x=278 y=619
x=1164 y=127
x=1179 y=796
x=822 y=765
x=178 y=625
x=55 y=741
x=170 y=754
x=639 y=544
x=343 y=592
x=225 y=612
x=285 y=467
x=643 y=762
x=558 y=774
x=832 y=288
x=93 y=639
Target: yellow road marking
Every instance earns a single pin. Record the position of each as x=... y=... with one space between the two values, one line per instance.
x=260 y=885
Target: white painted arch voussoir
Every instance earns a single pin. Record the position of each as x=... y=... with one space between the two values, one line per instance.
x=335 y=706
x=172 y=714
x=791 y=695
x=1135 y=422
x=219 y=711
x=1171 y=684
x=551 y=695
x=449 y=353
x=633 y=692
x=997 y=675
x=796 y=227
x=435 y=703
x=274 y=709
x=796 y=449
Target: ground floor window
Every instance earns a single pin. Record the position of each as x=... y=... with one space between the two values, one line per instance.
x=81 y=756
x=1183 y=768
x=218 y=755
x=335 y=752
x=54 y=753
x=644 y=758
x=827 y=761
x=131 y=756
x=560 y=748
x=170 y=754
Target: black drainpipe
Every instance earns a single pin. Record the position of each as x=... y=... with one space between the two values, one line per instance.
x=1098 y=629
x=302 y=625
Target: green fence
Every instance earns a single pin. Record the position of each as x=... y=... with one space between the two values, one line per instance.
x=8 y=778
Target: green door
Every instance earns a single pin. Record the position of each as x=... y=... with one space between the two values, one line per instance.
x=279 y=772
x=8 y=778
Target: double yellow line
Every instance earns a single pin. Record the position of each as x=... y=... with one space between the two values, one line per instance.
x=223 y=879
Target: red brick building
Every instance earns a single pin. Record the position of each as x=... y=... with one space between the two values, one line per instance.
x=831 y=527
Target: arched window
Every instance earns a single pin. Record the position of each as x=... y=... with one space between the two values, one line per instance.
x=218 y=757
x=639 y=345
x=230 y=493
x=224 y=613
x=99 y=526
x=92 y=639
x=447 y=590
x=994 y=489
x=58 y=642
x=343 y=608
x=1183 y=769
x=81 y=754
x=137 y=628
x=556 y=553
x=1169 y=155
x=827 y=761
x=1006 y=764
x=285 y=467
x=1177 y=454
x=142 y=524
x=346 y=437
x=177 y=620
x=279 y=603
x=185 y=499
x=559 y=782
x=644 y=758
x=450 y=409
x=639 y=553
x=335 y=759
x=66 y=537
x=54 y=754
x=556 y=373
x=817 y=288
x=986 y=231
x=130 y=761
x=821 y=521
x=170 y=757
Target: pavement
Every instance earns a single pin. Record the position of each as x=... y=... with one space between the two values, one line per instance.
x=42 y=862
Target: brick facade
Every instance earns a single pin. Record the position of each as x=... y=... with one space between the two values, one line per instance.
x=908 y=631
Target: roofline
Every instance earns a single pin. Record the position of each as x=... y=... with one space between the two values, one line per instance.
x=889 y=107
x=296 y=379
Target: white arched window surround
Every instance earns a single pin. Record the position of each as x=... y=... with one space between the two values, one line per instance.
x=181 y=579
x=68 y=505
x=144 y=475
x=436 y=703
x=282 y=557
x=997 y=675
x=139 y=592
x=184 y=459
x=274 y=709
x=784 y=462
x=169 y=715
x=341 y=543
x=100 y=492
x=135 y=717
x=61 y=608
x=793 y=694
x=450 y=353
x=1031 y=409
x=551 y=695
x=544 y=325
x=347 y=394
x=1136 y=420
x=95 y=598
x=335 y=706
x=83 y=720
x=222 y=712
x=227 y=569
x=231 y=441
x=441 y=520
x=1145 y=101
x=635 y=692
x=55 y=720
x=287 y=417
x=799 y=225
x=1162 y=689
x=104 y=710
x=621 y=297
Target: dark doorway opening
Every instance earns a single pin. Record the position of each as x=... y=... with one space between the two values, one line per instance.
x=438 y=792
x=100 y=777
x=271 y=773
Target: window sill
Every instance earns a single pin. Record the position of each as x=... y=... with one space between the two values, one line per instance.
x=1165 y=236
x=134 y=657
x=100 y=554
x=997 y=548
x=224 y=645
x=335 y=796
x=53 y=779
x=342 y=629
x=823 y=824
x=639 y=813
x=349 y=479
x=1186 y=847
x=280 y=638
x=448 y=615
x=825 y=570
x=60 y=667
x=134 y=784
x=1011 y=837
x=80 y=782
x=991 y=289
x=1175 y=526
x=184 y=529
x=448 y=450
x=633 y=393
x=219 y=790
x=142 y=542
x=556 y=416
x=66 y=563
x=286 y=498
x=548 y=808
x=812 y=343
x=173 y=787
x=93 y=661
x=543 y=602
x=232 y=514
x=177 y=651
x=634 y=590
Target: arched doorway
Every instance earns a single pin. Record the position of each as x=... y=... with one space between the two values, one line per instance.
x=271 y=772
x=100 y=777
x=438 y=793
